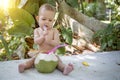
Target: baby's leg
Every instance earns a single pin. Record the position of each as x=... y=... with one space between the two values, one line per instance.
x=65 y=69
x=26 y=65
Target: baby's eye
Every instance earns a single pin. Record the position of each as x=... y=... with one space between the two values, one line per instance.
x=50 y=20
x=43 y=19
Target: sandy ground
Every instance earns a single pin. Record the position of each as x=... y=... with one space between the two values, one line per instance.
x=102 y=66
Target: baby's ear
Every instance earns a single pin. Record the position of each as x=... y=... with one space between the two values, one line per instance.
x=37 y=18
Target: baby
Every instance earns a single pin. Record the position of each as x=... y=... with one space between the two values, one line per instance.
x=47 y=38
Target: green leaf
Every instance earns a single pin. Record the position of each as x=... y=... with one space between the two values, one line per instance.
x=32 y=7
x=20 y=28
x=60 y=50
x=73 y=3
x=103 y=46
x=109 y=37
x=18 y=14
x=67 y=34
x=6 y=46
x=52 y=2
x=22 y=22
x=90 y=9
x=110 y=42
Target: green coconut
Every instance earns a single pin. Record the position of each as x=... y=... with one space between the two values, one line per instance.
x=46 y=63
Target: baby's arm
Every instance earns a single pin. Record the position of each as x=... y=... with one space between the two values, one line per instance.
x=38 y=39
x=56 y=40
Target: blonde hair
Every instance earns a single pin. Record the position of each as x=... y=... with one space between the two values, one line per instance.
x=47 y=6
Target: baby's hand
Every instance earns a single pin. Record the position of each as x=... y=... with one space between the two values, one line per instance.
x=45 y=32
x=44 y=28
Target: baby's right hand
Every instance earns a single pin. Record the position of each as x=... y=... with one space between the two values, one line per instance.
x=45 y=32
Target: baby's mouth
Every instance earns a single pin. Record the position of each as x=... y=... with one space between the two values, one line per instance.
x=45 y=27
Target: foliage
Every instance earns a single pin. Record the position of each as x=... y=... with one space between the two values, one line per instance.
x=102 y=11
x=117 y=17
x=5 y=45
x=52 y=2
x=2 y=17
x=117 y=2
x=9 y=47
x=95 y=10
x=111 y=9
x=61 y=51
x=65 y=37
x=109 y=38
x=14 y=3
x=67 y=34
x=22 y=22
x=14 y=42
x=73 y=3
x=32 y=6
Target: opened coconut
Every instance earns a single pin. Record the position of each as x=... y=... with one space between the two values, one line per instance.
x=46 y=63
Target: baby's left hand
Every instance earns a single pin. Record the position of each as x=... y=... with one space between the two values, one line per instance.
x=45 y=33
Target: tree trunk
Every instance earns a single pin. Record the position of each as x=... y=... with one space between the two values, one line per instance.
x=90 y=23
x=81 y=24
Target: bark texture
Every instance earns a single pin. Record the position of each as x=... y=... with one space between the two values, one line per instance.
x=90 y=23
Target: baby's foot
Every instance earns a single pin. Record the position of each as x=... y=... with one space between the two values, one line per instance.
x=68 y=68
x=21 y=68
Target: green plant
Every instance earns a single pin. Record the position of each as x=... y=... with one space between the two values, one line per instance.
x=2 y=17
x=60 y=51
x=65 y=37
x=22 y=22
x=109 y=38
x=5 y=46
x=66 y=33
x=96 y=10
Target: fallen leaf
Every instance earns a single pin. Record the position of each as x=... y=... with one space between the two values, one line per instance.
x=85 y=63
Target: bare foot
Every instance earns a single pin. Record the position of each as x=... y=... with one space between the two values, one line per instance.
x=21 y=68
x=68 y=68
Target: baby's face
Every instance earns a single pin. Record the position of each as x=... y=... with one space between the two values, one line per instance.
x=46 y=18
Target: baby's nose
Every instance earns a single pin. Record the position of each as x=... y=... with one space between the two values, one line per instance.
x=47 y=21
